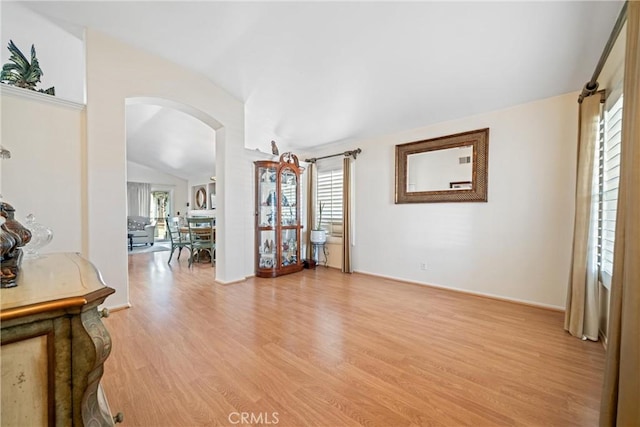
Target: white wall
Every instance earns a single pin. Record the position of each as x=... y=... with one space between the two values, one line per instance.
x=59 y=52
x=44 y=175
x=108 y=86
x=613 y=70
x=163 y=181
x=516 y=246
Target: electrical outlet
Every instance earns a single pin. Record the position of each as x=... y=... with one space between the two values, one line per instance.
x=423 y=266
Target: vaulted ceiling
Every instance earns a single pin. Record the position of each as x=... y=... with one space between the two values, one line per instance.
x=313 y=73
x=171 y=141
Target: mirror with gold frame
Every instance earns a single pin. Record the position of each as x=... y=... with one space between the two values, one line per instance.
x=451 y=168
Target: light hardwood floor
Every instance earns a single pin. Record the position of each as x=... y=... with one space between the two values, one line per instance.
x=325 y=349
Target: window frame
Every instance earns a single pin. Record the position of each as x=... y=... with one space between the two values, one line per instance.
x=333 y=219
x=608 y=174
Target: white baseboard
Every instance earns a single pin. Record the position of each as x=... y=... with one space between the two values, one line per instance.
x=465 y=291
x=114 y=308
x=231 y=282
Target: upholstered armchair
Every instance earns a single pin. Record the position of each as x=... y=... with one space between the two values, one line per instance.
x=142 y=228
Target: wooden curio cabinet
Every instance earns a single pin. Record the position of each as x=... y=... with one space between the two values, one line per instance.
x=278 y=216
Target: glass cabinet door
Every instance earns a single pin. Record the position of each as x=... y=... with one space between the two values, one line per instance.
x=289 y=247
x=267 y=198
x=289 y=192
x=266 y=249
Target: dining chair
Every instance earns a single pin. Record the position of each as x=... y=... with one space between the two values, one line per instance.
x=178 y=240
x=202 y=237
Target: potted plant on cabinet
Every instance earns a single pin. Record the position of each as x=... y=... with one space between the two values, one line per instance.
x=318 y=235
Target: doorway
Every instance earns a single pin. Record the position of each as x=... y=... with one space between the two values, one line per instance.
x=160 y=206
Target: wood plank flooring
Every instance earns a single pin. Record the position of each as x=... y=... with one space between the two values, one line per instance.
x=320 y=348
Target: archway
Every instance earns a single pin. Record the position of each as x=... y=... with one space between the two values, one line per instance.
x=170 y=145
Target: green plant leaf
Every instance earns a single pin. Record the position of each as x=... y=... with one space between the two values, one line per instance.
x=8 y=67
x=21 y=73
x=50 y=91
x=17 y=57
x=11 y=78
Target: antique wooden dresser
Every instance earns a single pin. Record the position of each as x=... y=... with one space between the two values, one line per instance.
x=54 y=344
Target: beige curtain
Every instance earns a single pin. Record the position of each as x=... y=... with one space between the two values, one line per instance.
x=311 y=178
x=620 y=405
x=346 y=215
x=138 y=199
x=581 y=315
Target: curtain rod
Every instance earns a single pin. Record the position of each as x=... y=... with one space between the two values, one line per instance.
x=353 y=153
x=592 y=85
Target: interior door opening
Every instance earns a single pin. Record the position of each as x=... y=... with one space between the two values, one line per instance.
x=160 y=206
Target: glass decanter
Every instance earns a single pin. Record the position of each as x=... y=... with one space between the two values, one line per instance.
x=40 y=237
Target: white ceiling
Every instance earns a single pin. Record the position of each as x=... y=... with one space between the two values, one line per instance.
x=313 y=73
x=170 y=141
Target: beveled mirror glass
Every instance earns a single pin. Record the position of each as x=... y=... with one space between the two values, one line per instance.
x=446 y=169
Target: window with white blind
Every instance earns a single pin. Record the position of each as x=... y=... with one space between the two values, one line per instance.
x=609 y=177
x=329 y=193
